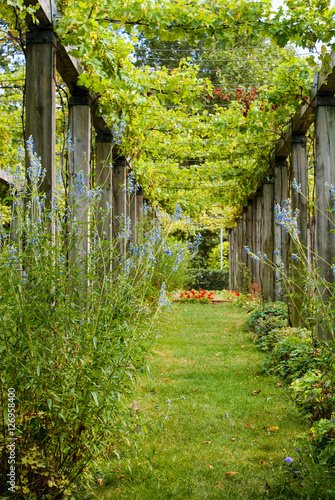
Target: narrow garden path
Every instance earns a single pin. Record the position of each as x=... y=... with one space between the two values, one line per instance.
x=228 y=425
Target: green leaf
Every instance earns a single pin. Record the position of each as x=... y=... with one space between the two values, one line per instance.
x=95 y=397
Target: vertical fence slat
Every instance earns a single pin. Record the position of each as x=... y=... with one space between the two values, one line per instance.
x=280 y=235
x=268 y=238
x=325 y=172
x=120 y=199
x=299 y=202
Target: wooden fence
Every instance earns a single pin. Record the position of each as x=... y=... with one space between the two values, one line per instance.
x=257 y=227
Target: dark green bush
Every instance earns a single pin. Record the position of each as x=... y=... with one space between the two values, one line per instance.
x=278 y=309
x=267 y=342
x=264 y=328
x=208 y=279
x=323 y=441
x=315 y=394
x=294 y=355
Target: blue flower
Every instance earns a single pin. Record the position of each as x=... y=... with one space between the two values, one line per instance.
x=289 y=460
x=296 y=186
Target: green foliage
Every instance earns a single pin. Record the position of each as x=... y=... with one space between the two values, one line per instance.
x=214 y=260
x=266 y=331
x=315 y=394
x=212 y=114
x=323 y=441
x=263 y=311
x=294 y=355
x=75 y=327
x=208 y=279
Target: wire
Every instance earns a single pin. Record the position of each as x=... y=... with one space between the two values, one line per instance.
x=204 y=60
x=268 y=46
x=205 y=70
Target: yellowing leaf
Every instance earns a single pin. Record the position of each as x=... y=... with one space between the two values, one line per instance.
x=273 y=428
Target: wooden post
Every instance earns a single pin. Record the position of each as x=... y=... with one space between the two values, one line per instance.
x=258 y=238
x=299 y=202
x=249 y=241
x=235 y=258
x=80 y=168
x=281 y=244
x=120 y=200
x=239 y=255
x=243 y=252
x=139 y=213
x=268 y=229
x=133 y=217
x=41 y=103
x=324 y=173
x=103 y=176
x=255 y=264
x=231 y=243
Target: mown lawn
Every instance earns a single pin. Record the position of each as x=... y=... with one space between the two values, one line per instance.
x=221 y=439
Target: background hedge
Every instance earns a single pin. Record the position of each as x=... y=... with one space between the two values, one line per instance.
x=208 y=279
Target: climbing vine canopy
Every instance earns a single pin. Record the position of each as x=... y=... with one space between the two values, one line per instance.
x=196 y=93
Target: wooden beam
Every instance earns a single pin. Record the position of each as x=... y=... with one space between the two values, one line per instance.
x=67 y=66
x=5 y=177
x=304 y=117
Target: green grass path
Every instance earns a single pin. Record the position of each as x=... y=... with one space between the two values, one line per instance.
x=203 y=354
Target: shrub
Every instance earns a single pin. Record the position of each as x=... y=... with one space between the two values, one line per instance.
x=323 y=441
x=315 y=394
x=208 y=279
x=263 y=327
x=214 y=259
x=278 y=309
x=74 y=331
x=294 y=355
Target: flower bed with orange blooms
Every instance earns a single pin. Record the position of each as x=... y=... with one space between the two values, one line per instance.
x=201 y=296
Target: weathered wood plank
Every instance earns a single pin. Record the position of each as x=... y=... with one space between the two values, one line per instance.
x=80 y=170
x=325 y=173
x=249 y=240
x=41 y=105
x=5 y=177
x=299 y=202
x=230 y=259
x=119 y=199
x=268 y=238
x=104 y=176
